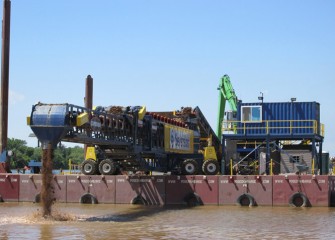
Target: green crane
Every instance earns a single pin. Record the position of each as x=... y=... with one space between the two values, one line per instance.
x=226 y=94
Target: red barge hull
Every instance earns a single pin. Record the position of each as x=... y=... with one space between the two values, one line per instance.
x=279 y=190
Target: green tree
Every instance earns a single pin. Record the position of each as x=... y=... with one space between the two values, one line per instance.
x=77 y=155
x=61 y=155
x=37 y=155
x=22 y=153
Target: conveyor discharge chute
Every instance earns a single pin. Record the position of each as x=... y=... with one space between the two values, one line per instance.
x=49 y=123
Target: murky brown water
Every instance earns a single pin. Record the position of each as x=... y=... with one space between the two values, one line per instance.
x=104 y=221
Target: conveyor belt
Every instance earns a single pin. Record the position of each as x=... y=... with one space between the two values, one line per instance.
x=52 y=123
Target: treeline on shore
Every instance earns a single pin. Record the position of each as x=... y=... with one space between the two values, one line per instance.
x=23 y=154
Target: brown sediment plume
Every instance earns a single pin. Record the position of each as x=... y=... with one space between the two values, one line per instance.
x=57 y=216
x=47 y=191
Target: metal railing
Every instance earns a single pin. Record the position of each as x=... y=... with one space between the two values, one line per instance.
x=274 y=127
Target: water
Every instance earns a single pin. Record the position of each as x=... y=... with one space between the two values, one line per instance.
x=108 y=221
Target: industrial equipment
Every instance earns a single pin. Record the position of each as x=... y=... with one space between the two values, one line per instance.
x=266 y=138
x=130 y=139
x=226 y=94
x=260 y=137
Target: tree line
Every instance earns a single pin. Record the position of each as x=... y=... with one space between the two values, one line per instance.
x=23 y=154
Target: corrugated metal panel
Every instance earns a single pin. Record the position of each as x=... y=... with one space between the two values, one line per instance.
x=49 y=122
x=49 y=115
x=282 y=118
x=287 y=166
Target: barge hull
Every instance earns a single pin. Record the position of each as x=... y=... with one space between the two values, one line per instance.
x=173 y=190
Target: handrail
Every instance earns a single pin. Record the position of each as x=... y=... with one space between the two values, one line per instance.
x=246 y=156
x=274 y=126
x=73 y=168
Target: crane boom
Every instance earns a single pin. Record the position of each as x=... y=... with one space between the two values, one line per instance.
x=226 y=94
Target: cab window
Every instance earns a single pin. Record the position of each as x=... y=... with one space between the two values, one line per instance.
x=251 y=113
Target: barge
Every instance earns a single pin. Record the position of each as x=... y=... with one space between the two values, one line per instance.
x=249 y=190
x=263 y=154
x=270 y=154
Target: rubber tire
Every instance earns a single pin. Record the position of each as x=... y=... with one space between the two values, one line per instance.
x=210 y=167
x=89 y=167
x=107 y=167
x=240 y=201
x=138 y=200
x=189 y=167
x=193 y=199
x=88 y=198
x=303 y=202
x=37 y=198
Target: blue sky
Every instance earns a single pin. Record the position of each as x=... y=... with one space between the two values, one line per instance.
x=169 y=54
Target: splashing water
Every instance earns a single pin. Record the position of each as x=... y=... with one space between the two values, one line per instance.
x=54 y=216
x=38 y=217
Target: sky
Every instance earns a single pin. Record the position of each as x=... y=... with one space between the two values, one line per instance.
x=169 y=54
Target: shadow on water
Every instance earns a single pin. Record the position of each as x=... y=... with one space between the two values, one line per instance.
x=135 y=214
x=150 y=193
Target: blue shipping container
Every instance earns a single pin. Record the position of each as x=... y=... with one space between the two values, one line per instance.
x=280 y=118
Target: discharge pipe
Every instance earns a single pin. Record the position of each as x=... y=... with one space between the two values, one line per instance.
x=4 y=75
x=88 y=99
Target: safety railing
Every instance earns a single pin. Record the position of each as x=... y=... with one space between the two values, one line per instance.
x=73 y=168
x=273 y=127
